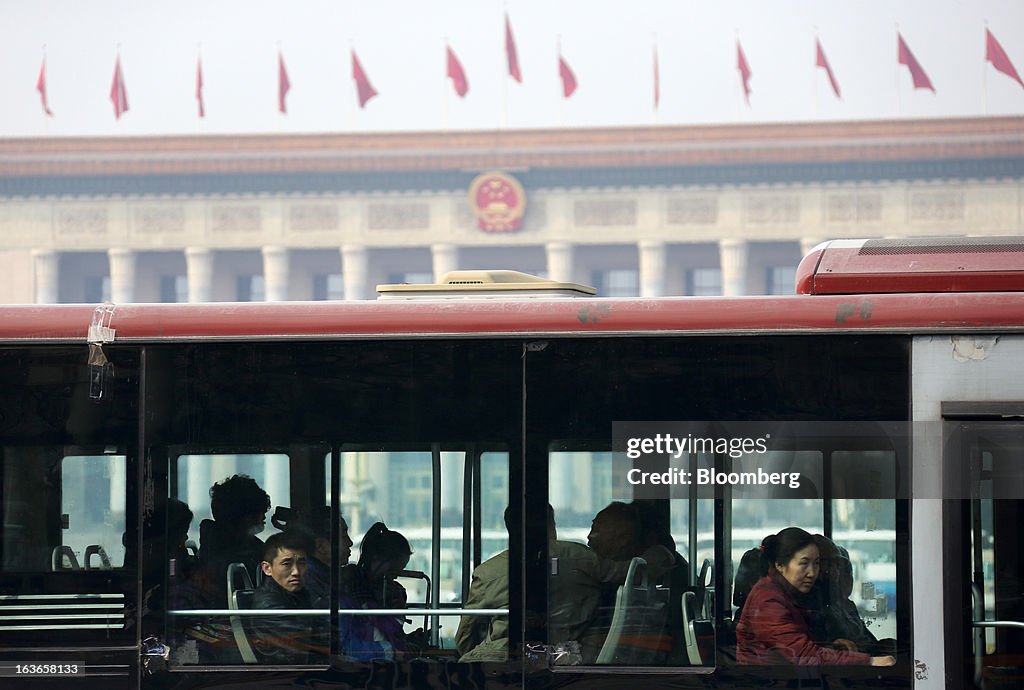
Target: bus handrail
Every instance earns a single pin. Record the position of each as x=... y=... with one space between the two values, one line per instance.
x=997 y=624
x=344 y=612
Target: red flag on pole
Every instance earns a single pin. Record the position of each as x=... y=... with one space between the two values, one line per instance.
x=568 y=78
x=510 y=52
x=995 y=54
x=657 y=79
x=364 y=89
x=821 y=61
x=118 y=92
x=457 y=74
x=921 y=80
x=199 y=86
x=283 y=84
x=744 y=68
x=41 y=88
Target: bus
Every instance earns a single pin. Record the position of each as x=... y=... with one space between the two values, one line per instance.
x=882 y=407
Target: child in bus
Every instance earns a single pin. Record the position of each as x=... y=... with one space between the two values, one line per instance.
x=371 y=584
x=775 y=626
x=286 y=639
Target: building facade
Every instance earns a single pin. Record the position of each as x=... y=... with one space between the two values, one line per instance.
x=705 y=210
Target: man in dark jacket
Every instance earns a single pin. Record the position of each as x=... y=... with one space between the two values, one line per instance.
x=286 y=639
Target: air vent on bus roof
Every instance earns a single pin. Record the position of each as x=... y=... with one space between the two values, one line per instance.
x=485 y=284
x=942 y=245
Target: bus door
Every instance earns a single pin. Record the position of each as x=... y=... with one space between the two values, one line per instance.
x=68 y=507
x=991 y=454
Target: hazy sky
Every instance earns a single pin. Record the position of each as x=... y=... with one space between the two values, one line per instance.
x=400 y=43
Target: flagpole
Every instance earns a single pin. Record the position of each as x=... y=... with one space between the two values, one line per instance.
x=657 y=79
x=444 y=86
x=814 y=80
x=504 y=78
x=561 y=103
x=899 y=109
x=46 y=117
x=199 y=62
x=984 y=79
x=351 y=109
x=735 y=102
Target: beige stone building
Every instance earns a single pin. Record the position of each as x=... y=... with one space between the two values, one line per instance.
x=634 y=211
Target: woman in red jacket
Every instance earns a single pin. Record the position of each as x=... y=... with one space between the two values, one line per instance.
x=775 y=625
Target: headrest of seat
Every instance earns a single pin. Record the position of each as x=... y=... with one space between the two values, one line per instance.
x=244 y=597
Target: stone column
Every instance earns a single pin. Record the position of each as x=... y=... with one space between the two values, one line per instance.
x=199 y=269
x=354 y=265
x=733 y=257
x=122 y=275
x=560 y=261
x=445 y=258
x=46 y=266
x=275 y=273
x=652 y=268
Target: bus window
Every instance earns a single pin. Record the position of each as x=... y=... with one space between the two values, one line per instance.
x=852 y=520
x=63 y=513
x=866 y=528
x=621 y=592
x=398 y=489
x=92 y=508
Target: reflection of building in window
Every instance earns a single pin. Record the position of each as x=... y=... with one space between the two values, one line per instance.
x=97 y=289
x=328 y=286
x=250 y=288
x=409 y=489
x=704 y=282
x=494 y=496
x=617 y=282
x=173 y=288
x=780 y=280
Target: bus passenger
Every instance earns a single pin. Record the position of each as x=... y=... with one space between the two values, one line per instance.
x=841 y=621
x=286 y=639
x=577 y=581
x=371 y=584
x=239 y=508
x=318 y=573
x=776 y=623
x=619 y=533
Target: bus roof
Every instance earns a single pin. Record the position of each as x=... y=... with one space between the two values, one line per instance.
x=526 y=317
x=920 y=264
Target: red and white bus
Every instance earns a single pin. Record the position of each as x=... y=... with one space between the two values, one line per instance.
x=434 y=412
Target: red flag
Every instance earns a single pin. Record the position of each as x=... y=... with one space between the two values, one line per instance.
x=457 y=74
x=995 y=54
x=744 y=68
x=568 y=78
x=822 y=61
x=41 y=88
x=657 y=79
x=510 y=52
x=283 y=85
x=118 y=92
x=364 y=89
x=921 y=80
x=199 y=87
